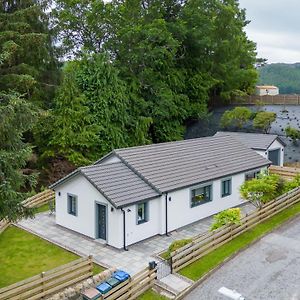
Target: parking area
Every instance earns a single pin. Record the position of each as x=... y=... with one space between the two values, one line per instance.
x=270 y=269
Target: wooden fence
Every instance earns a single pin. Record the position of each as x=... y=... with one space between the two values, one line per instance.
x=49 y=282
x=268 y=99
x=206 y=243
x=3 y=225
x=34 y=201
x=287 y=173
x=39 y=199
x=133 y=287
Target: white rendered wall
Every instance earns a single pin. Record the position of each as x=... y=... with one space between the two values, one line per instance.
x=180 y=212
x=136 y=232
x=85 y=221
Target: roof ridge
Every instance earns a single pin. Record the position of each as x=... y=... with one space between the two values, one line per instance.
x=97 y=165
x=243 y=132
x=164 y=143
x=141 y=176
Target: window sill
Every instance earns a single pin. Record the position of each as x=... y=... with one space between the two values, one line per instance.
x=224 y=196
x=74 y=215
x=141 y=222
x=201 y=203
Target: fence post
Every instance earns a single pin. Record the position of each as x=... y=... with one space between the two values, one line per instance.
x=171 y=264
x=43 y=281
x=90 y=257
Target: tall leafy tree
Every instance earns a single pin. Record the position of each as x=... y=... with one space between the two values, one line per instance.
x=26 y=37
x=73 y=134
x=111 y=104
x=16 y=117
x=173 y=55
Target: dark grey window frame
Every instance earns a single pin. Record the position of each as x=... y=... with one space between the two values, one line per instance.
x=71 y=210
x=223 y=192
x=254 y=173
x=146 y=213
x=201 y=202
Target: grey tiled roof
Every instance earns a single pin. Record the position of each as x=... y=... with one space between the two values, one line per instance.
x=174 y=165
x=116 y=182
x=146 y=172
x=257 y=141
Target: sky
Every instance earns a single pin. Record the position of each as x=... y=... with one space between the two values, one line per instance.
x=275 y=27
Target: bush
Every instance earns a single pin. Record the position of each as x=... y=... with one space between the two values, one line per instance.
x=227 y=217
x=174 y=246
x=263 y=120
x=292 y=133
x=262 y=190
x=237 y=117
x=290 y=185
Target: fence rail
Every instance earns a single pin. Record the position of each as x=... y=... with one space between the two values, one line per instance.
x=285 y=172
x=49 y=282
x=3 y=225
x=39 y=199
x=268 y=99
x=133 y=287
x=31 y=202
x=204 y=244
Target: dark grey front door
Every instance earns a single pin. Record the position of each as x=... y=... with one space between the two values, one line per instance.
x=274 y=157
x=101 y=221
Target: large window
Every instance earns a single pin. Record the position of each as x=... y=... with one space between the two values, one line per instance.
x=226 y=187
x=201 y=195
x=72 y=205
x=142 y=212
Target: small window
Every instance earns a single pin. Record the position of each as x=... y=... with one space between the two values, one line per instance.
x=72 y=205
x=226 y=187
x=251 y=175
x=142 y=213
x=201 y=195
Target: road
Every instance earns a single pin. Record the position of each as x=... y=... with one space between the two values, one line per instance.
x=268 y=270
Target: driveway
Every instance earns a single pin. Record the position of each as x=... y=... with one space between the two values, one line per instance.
x=270 y=269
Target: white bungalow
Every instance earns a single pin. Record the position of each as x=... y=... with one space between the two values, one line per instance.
x=135 y=193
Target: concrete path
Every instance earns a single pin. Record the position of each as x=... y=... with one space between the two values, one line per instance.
x=132 y=261
x=270 y=269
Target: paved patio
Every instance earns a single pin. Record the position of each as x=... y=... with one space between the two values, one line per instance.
x=132 y=261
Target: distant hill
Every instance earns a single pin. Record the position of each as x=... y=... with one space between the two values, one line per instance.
x=285 y=76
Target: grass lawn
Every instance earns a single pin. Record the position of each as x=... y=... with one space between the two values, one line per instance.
x=23 y=255
x=202 y=266
x=42 y=208
x=151 y=295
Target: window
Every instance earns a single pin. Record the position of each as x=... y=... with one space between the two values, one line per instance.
x=142 y=213
x=72 y=205
x=251 y=175
x=201 y=195
x=226 y=187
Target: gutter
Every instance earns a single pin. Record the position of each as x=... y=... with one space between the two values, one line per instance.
x=124 y=230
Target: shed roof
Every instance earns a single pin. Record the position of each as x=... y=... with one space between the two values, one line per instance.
x=256 y=141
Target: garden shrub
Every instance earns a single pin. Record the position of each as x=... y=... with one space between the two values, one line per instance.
x=174 y=246
x=261 y=190
x=290 y=185
x=227 y=217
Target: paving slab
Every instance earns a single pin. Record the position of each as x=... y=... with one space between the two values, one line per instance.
x=132 y=261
